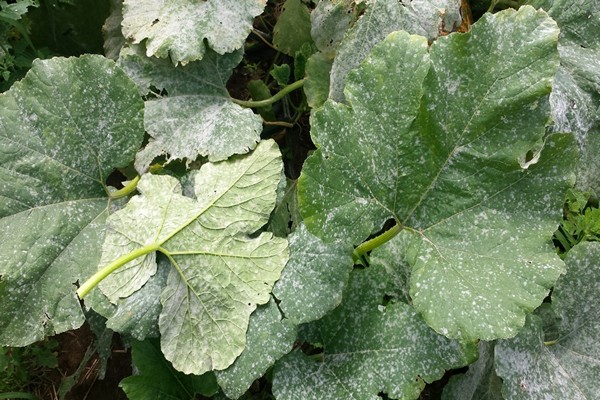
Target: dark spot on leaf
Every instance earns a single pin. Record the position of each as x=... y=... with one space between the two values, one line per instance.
x=156 y=21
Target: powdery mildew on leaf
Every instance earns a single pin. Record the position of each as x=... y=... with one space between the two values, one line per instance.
x=177 y=29
x=419 y=17
x=368 y=348
x=63 y=129
x=269 y=337
x=196 y=117
x=575 y=94
x=569 y=366
x=218 y=273
x=314 y=278
x=454 y=157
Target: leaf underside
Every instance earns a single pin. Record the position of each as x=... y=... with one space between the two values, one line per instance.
x=218 y=273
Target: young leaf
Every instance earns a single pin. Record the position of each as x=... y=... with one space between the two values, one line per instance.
x=314 y=278
x=158 y=380
x=568 y=367
x=63 y=130
x=461 y=170
x=196 y=117
x=269 y=337
x=369 y=348
x=177 y=29
x=218 y=273
x=420 y=17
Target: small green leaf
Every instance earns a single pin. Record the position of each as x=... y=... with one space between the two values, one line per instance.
x=196 y=116
x=316 y=87
x=219 y=274
x=158 y=380
x=177 y=29
x=568 y=366
x=369 y=348
x=63 y=130
x=281 y=74
x=292 y=29
x=285 y=218
x=269 y=337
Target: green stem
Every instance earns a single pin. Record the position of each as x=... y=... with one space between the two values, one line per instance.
x=278 y=123
x=113 y=266
x=550 y=343
x=377 y=241
x=126 y=190
x=278 y=96
x=17 y=395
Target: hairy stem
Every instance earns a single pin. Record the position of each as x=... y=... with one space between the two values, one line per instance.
x=278 y=96
x=126 y=190
x=95 y=279
x=377 y=241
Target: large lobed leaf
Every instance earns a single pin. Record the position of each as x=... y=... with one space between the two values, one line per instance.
x=196 y=117
x=218 y=273
x=177 y=29
x=63 y=129
x=448 y=143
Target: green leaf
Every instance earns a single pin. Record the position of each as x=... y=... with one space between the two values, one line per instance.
x=177 y=29
x=368 y=348
x=269 y=337
x=197 y=116
x=218 y=273
x=568 y=367
x=453 y=154
x=314 y=278
x=281 y=74
x=63 y=129
x=316 y=87
x=421 y=17
x=158 y=380
x=480 y=382
x=292 y=29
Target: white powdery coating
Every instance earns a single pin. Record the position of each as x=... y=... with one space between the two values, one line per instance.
x=178 y=28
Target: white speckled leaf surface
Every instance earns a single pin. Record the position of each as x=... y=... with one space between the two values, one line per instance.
x=569 y=366
x=314 y=278
x=177 y=29
x=196 y=117
x=441 y=146
x=63 y=129
x=269 y=337
x=218 y=273
x=419 y=17
x=368 y=348
x=575 y=94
